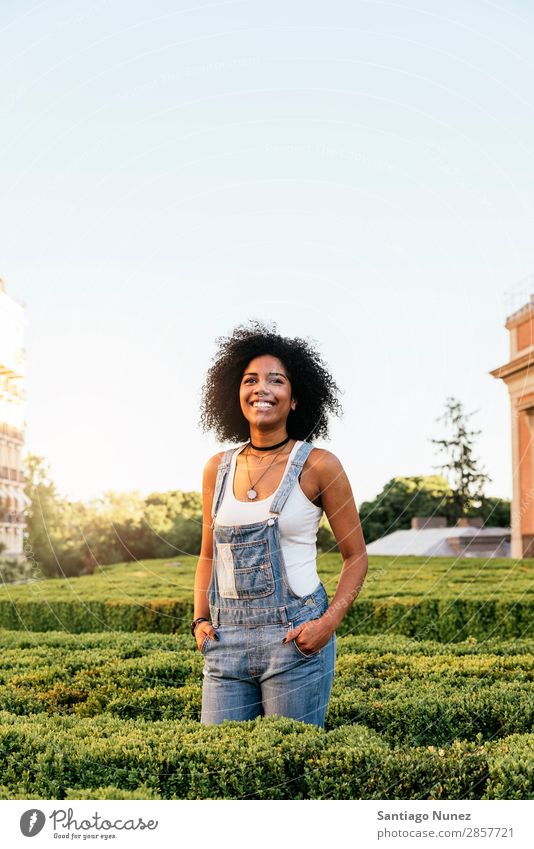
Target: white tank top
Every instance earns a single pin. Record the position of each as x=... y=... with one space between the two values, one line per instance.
x=298 y=523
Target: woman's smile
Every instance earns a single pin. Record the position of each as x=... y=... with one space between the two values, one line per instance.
x=262 y=405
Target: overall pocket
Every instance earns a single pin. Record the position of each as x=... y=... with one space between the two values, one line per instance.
x=244 y=569
x=301 y=653
x=305 y=615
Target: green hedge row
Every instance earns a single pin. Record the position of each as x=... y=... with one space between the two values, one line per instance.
x=438 y=598
x=107 y=792
x=451 y=620
x=415 y=578
x=437 y=718
x=408 y=697
x=134 y=663
x=367 y=672
x=164 y=616
x=121 y=644
x=268 y=758
x=438 y=715
x=426 y=619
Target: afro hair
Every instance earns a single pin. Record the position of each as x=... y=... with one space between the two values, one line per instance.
x=312 y=384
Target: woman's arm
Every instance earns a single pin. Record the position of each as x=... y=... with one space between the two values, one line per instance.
x=338 y=504
x=340 y=508
x=205 y=561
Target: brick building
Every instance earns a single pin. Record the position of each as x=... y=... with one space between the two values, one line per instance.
x=518 y=374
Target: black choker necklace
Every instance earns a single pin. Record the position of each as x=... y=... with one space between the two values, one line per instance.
x=269 y=447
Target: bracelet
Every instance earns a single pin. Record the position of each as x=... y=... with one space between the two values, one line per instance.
x=196 y=621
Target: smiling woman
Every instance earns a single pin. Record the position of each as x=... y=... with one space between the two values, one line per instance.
x=262 y=618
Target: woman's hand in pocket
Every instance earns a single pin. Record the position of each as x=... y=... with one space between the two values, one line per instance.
x=310 y=636
x=203 y=629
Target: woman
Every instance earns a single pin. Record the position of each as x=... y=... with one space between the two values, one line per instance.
x=262 y=618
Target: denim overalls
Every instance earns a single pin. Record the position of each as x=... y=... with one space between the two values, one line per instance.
x=249 y=672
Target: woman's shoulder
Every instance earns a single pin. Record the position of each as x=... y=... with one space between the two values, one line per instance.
x=215 y=460
x=322 y=455
x=324 y=462
x=210 y=471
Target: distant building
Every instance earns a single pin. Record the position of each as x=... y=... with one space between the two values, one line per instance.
x=518 y=374
x=430 y=537
x=12 y=425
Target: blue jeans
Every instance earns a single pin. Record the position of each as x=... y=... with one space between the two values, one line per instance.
x=249 y=672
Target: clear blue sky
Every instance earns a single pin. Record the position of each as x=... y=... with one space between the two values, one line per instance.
x=360 y=172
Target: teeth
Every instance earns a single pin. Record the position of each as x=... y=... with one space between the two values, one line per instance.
x=261 y=404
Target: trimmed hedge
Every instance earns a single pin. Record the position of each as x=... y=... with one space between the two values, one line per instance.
x=429 y=619
x=511 y=768
x=437 y=598
x=410 y=692
x=268 y=758
x=108 y=705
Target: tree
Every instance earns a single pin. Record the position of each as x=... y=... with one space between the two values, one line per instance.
x=466 y=477
x=400 y=500
x=65 y=538
x=495 y=512
x=43 y=533
x=68 y=538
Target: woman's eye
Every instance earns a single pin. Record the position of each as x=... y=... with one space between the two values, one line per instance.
x=250 y=379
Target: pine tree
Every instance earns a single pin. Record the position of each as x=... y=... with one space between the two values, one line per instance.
x=466 y=477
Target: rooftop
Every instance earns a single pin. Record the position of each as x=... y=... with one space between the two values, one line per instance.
x=470 y=541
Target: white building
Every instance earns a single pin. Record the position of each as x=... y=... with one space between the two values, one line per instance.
x=430 y=537
x=12 y=425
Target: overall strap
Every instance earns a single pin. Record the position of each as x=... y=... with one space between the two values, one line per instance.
x=220 y=481
x=291 y=477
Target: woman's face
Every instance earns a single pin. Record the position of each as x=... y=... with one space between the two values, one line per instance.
x=265 y=392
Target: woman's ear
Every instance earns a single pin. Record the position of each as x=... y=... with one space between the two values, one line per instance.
x=293 y=404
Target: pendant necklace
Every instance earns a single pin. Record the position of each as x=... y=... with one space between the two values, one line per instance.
x=251 y=493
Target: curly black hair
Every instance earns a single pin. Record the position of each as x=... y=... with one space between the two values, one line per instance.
x=312 y=384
